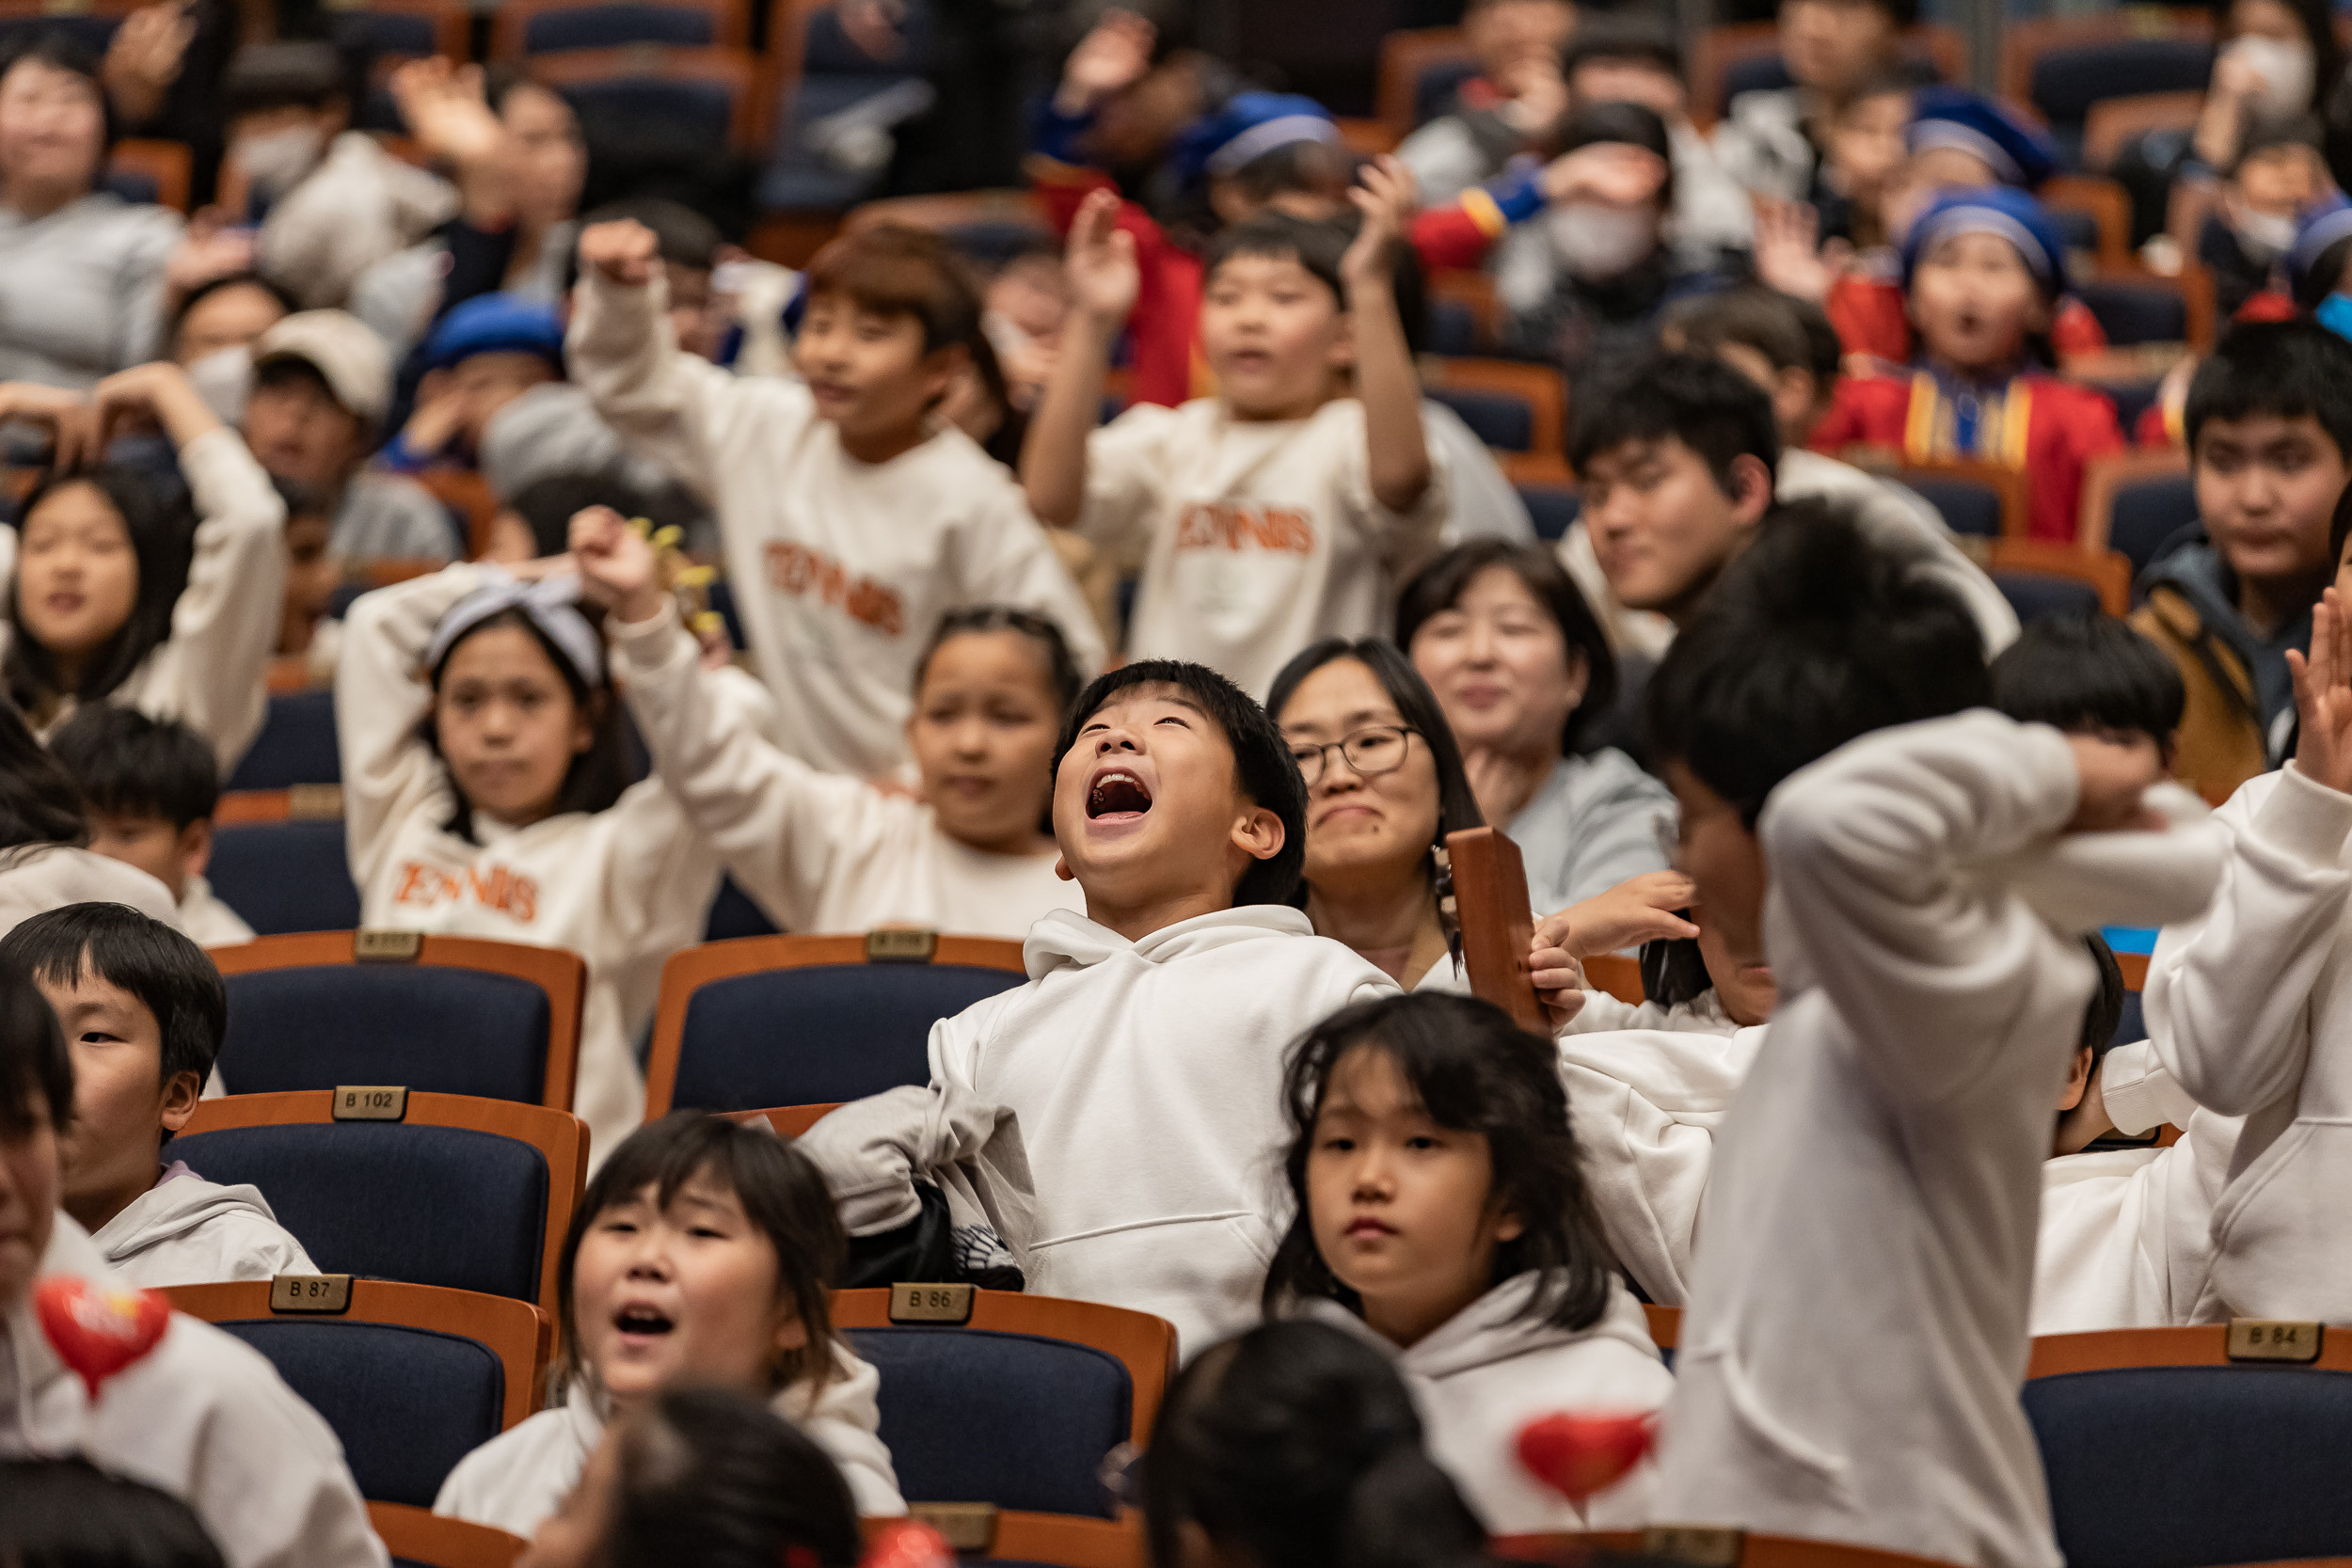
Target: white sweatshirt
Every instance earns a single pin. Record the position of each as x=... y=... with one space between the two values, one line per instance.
x=1254 y=537
x=1481 y=1376
x=840 y=568
x=624 y=888
x=1857 y=1325
x=2250 y=1010
x=209 y=922
x=202 y=1416
x=185 y=1230
x=1147 y=1076
x=817 y=852
x=212 y=672
x=518 y=1477
x=38 y=877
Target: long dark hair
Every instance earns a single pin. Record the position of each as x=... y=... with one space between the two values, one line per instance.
x=162 y=535
x=1297 y=1446
x=1458 y=804
x=714 y=1478
x=1439 y=586
x=1471 y=1069
x=38 y=804
x=781 y=1192
x=596 y=776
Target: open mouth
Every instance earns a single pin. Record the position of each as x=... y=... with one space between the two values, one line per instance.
x=641 y=1321
x=1116 y=796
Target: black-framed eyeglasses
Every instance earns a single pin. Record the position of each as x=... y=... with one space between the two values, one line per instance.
x=1376 y=749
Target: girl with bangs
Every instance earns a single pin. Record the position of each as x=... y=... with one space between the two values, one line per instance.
x=702 y=1254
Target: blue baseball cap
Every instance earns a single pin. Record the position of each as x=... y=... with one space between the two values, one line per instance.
x=2002 y=210
x=2017 y=153
x=496 y=324
x=1250 y=126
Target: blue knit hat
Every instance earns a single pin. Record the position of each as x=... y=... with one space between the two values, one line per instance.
x=496 y=324
x=1250 y=126
x=2017 y=153
x=2322 y=226
x=2012 y=213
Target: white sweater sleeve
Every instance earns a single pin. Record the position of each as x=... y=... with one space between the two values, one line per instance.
x=676 y=409
x=780 y=828
x=2229 y=996
x=1869 y=851
x=2139 y=1094
x=212 y=674
x=381 y=698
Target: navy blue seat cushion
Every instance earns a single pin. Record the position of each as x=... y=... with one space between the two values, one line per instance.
x=386 y=32
x=1435 y=88
x=2149 y=513
x=2067 y=81
x=2186 y=1466
x=830 y=1032
x=1497 y=418
x=702 y=112
x=734 y=915
x=615 y=22
x=1452 y=328
x=973 y=1415
x=2133 y=1024
x=1755 y=74
x=452 y=1031
x=2131 y=399
x=2036 y=596
x=1968 y=507
x=285 y=876
x=407 y=1403
x=374 y=1198
x=1552 y=508
x=296 y=745
x=2134 y=313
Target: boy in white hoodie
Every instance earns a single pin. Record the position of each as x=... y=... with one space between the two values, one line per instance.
x=144 y=1010
x=151 y=785
x=200 y=1416
x=1144 y=1058
x=1849 y=1362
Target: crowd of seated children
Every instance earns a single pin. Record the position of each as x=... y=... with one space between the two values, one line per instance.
x=971 y=852
x=1288 y=506
x=2247 y=235
x=43 y=829
x=835 y=609
x=144 y=1012
x=1440 y=1212
x=482 y=355
x=2269 y=432
x=111 y=598
x=1508 y=108
x=1773 y=140
x=702 y=1254
x=200 y=1415
x=149 y=787
x=1526 y=680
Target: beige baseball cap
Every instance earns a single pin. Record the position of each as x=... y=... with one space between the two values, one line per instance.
x=342 y=348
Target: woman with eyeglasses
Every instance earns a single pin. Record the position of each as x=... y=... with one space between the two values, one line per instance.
x=1520 y=667
x=1384 y=786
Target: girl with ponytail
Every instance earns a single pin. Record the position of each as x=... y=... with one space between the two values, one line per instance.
x=1441 y=1216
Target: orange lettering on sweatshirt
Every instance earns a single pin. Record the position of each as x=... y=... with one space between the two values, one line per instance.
x=493 y=887
x=806 y=572
x=1229 y=526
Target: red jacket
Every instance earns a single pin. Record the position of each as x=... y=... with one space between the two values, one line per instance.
x=1163 y=331
x=1871 y=319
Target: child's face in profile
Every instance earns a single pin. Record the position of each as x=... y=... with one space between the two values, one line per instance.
x=1974 y=300
x=170 y=854
x=1146 y=805
x=982 y=731
x=688 y=1292
x=28 y=1197
x=2266 y=488
x=122 y=1102
x=1275 y=335
x=867 y=370
x=1403 y=1210
x=1721 y=853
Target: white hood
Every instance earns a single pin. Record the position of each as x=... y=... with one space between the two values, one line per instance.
x=185 y=1230
x=1065 y=940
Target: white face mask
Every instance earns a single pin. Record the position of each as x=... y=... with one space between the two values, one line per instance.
x=275 y=164
x=224 y=379
x=2286 y=72
x=1596 y=239
x=2264 y=236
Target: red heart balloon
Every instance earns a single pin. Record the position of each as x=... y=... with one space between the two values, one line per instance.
x=1580 y=1455
x=98 y=1332
x=907 y=1543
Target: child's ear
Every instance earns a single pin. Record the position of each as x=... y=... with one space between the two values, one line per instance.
x=195 y=847
x=792 y=1334
x=1258 y=834
x=1343 y=356
x=2077 y=1079
x=1509 y=1226
x=939 y=370
x=181 y=1093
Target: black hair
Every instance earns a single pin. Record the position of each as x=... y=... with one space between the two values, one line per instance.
x=1061 y=667
x=60 y=49
x=33 y=1061
x=548 y=504
x=1439 y=586
x=2288 y=369
x=596 y=776
x=2324 y=277
x=1297 y=1446
x=1633 y=124
x=161 y=535
x=1262 y=768
x=1457 y=803
x=1622 y=36
x=714 y=1478
x=70 y=1514
x=1813 y=636
x=1695 y=398
x=1755 y=317
x=127 y=764
x=38 y=804
x=285 y=74
x=682 y=236
x=1318 y=246
x=2104 y=1014
x=782 y=1193
x=169 y=974
x=285 y=370
x=1471 y=1069
x=1320 y=167
x=1674 y=971
x=210 y=287
x=2090 y=672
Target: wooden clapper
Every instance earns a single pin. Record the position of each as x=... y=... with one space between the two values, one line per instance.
x=1498 y=922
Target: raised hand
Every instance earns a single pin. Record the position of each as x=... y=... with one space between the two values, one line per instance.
x=1604 y=172
x=72 y=422
x=1385 y=194
x=145 y=57
x=1788 y=253
x=2323 y=696
x=617 y=567
x=1100 y=261
x=159 y=390
x=625 y=250
x=446 y=109
x=1114 y=55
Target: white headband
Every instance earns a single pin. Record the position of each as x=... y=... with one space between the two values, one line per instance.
x=551 y=603
x=1967 y=138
